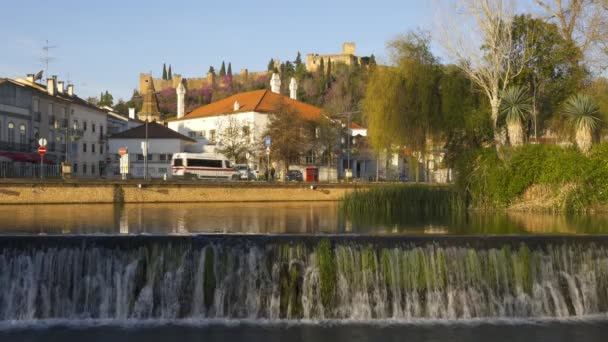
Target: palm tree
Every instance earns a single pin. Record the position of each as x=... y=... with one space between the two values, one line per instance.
x=515 y=107
x=584 y=114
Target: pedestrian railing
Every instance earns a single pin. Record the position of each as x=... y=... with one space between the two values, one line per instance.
x=28 y=170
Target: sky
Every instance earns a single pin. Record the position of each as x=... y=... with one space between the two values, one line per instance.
x=105 y=45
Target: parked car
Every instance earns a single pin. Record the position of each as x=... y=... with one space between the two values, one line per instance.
x=244 y=172
x=295 y=176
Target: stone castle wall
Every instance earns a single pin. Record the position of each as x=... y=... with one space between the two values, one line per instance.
x=193 y=83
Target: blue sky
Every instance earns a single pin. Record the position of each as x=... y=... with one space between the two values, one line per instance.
x=106 y=44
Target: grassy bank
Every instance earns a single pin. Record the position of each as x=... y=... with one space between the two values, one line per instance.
x=535 y=177
x=392 y=203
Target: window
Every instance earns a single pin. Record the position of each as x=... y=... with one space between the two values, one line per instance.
x=202 y=134
x=101 y=129
x=75 y=168
x=178 y=162
x=162 y=157
x=140 y=157
x=84 y=169
x=212 y=135
x=84 y=149
x=228 y=165
x=100 y=149
x=205 y=163
x=37 y=135
x=192 y=134
x=11 y=132
x=92 y=148
x=22 y=134
x=93 y=127
x=246 y=131
x=93 y=169
x=84 y=125
x=162 y=170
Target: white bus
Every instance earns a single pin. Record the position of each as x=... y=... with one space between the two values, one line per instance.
x=202 y=165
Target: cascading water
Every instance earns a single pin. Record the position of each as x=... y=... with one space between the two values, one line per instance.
x=351 y=279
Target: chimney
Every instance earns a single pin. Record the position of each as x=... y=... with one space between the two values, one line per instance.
x=293 y=89
x=275 y=83
x=50 y=85
x=132 y=113
x=60 y=87
x=30 y=78
x=71 y=89
x=181 y=91
x=237 y=106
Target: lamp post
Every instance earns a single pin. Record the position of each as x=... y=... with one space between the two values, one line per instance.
x=348 y=115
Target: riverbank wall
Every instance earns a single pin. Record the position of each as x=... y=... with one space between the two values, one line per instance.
x=128 y=192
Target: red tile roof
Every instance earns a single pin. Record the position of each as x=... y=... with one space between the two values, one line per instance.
x=261 y=101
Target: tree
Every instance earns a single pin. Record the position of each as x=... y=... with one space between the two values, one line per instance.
x=485 y=51
x=582 y=22
x=583 y=113
x=300 y=70
x=271 y=65
x=229 y=72
x=169 y=73
x=402 y=101
x=515 y=107
x=322 y=67
x=211 y=70
x=106 y=99
x=235 y=139
x=223 y=69
x=290 y=135
x=372 y=61
x=551 y=72
x=164 y=71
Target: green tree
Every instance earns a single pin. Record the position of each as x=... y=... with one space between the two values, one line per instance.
x=164 y=71
x=322 y=67
x=229 y=72
x=290 y=134
x=551 y=73
x=169 y=73
x=372 y=61
x=515 y=107
x=106 y=99
x=270 y=65
x=211 y=70
x=584 y=114
x=223 y=69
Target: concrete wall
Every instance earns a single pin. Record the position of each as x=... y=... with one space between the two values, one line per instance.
x=157 y=193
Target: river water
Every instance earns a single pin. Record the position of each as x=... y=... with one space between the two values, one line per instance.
x=297 y=271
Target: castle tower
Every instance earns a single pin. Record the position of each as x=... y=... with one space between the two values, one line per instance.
x=181 y=100
x=293 y=89
x=275 y=83
x=149 y=109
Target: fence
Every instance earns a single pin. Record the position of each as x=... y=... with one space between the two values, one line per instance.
x=28 y=170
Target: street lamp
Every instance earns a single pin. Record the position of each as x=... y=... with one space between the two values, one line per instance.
x=348 y=137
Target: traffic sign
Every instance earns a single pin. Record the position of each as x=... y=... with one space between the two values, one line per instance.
x=122 y=151
x=41 y=150
x=42 y=142
x=267 y=140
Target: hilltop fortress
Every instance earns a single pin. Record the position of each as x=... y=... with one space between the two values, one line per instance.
x=313 y=61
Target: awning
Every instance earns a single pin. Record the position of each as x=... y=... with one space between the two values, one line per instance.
x=24 y=157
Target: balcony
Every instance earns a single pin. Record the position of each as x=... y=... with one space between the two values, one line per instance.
x=15 y=146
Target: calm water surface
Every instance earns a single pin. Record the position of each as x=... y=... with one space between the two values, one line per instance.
x=270 y=218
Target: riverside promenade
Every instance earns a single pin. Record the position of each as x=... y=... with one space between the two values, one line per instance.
x=137 y=191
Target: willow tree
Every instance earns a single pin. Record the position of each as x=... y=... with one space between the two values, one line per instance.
x=402 y=100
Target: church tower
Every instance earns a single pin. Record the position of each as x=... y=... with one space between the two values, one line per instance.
x=149 y=109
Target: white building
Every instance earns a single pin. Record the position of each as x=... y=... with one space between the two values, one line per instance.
x=119 y=123
x=162 y=142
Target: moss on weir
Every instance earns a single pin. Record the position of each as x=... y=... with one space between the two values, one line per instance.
x=327 y=272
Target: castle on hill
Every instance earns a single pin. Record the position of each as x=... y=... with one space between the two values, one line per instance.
x=313 y=62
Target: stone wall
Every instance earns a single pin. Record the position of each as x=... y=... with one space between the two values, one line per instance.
x=193 y=83
x=157 y=193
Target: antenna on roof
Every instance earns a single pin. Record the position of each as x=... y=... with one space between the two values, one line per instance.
x=46 y=58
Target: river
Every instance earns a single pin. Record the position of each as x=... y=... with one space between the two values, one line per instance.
x=297 y=271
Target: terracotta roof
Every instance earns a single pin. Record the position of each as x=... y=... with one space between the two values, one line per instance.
x=356 y=126
x=261 y=101
x=155 y=131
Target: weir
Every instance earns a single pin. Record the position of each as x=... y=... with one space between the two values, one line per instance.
x=302 y=277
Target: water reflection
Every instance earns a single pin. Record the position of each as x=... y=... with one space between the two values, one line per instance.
x=272 y=218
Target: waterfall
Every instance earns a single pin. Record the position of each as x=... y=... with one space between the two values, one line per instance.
x=337 y=279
